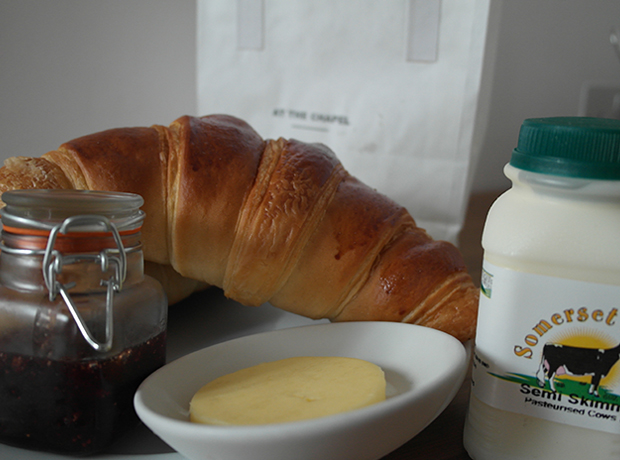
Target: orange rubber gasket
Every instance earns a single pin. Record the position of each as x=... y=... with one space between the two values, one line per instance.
x=37 y=232
x=28 y=238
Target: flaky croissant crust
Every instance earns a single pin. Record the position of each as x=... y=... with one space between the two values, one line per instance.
x=277 y=221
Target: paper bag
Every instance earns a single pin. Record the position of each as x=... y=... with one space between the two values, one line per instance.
x=393 y=87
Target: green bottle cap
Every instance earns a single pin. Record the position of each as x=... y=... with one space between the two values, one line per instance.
x=580 y=147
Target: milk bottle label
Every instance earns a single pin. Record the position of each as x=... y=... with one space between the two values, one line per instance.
x=549 y=347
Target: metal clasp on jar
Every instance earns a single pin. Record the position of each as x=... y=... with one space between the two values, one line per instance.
x=54 y=261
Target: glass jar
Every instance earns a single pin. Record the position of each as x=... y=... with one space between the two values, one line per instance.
x=81 y=326
x=546 y=377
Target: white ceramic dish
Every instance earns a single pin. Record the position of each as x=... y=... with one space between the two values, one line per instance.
x=424 y=369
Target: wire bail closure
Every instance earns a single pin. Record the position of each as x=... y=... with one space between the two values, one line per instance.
x=54 y=261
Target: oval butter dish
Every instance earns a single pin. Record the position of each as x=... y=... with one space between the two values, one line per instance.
x=423 y=367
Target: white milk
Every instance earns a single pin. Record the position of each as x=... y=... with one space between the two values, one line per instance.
x=550 y=300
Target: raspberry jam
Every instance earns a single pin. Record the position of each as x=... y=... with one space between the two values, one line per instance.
x=67 y=406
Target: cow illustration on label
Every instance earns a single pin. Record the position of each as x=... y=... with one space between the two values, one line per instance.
x=558 y=359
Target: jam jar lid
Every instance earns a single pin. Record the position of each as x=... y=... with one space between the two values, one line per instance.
x=45 y=209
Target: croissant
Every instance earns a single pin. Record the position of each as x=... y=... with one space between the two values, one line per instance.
x=277 y=221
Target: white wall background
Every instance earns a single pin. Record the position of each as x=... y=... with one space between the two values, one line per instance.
x=546 y=50
x=72 y=67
